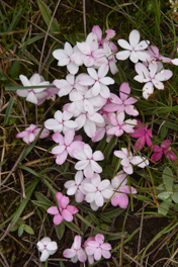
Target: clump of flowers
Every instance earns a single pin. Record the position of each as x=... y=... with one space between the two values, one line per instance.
x=102 y=115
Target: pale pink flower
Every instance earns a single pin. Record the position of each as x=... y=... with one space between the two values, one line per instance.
x=97 y=81
x=90 y=50
x=119 y=126
x=30 y=134
x=76 y=252
x=70 y=57
x=66 y=86
x=66 y=145
x=97 y=191
x=152 y=77
x=120 y=196
x=47 y=247
x=87 y=160
x=76 y=187
x=134 y=49
x=111 y=59
x=155 y=55
x=63 y=211
x=96 y=248
x=122 y=103
x=164 y=149
x=128 y=160
x=34 y=95
x=143 y=134
x=61 y=122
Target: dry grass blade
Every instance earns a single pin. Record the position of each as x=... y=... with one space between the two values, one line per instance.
x=40 y=68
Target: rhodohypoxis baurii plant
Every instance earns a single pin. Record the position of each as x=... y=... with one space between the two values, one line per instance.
x=99 y=113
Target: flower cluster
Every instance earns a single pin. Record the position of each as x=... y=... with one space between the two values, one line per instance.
x=94 y=249
x=100 y=113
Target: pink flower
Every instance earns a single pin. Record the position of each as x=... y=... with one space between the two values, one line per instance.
x=66 y=145
x=96 y=248
x=120 y=197
x=87 y=160
x=155 y=55
x=63 y=211
x=143 y=134
x=119 y=126
x=164 y=149
x=76 y=252
x=30 y=133
x=47 y=247
x=122 y=103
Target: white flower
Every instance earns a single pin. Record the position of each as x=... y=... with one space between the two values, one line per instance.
x=87 y=160
x=134 y=49
x=152 y=76
x=128 y=160
x=97 y=191
x=34 y=95
x=47 y=247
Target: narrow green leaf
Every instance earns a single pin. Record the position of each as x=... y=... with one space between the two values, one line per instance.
x=28 y=170
x=46 y=14
x=94 y=219
x=28 y=229
x=73 y=227
x=109 y=148
x=168 y=178
x=29 y=192
x=8 y=111
x=41 y=204
x=32 y=40
x=44 y=199
x=14 y=88
x=60 y=229
x=61 y=264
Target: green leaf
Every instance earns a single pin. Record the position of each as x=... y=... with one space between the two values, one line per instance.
x=94 y=219
x=28 y=229
x=62 y=264
x=164 y=195
x=163 y=208
x=44 y=199
x=8 y=111
x=168 y=178
x=41 y=204
x=29 y=192
x=28 y=170
x=20 y=230
x=46 y=14
x=105 y=218
x=109 y=148
x=143 y=198
x=60 y=229
x=175 y=197
x=14 y=228
x=73 y=227
x=105 y=227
